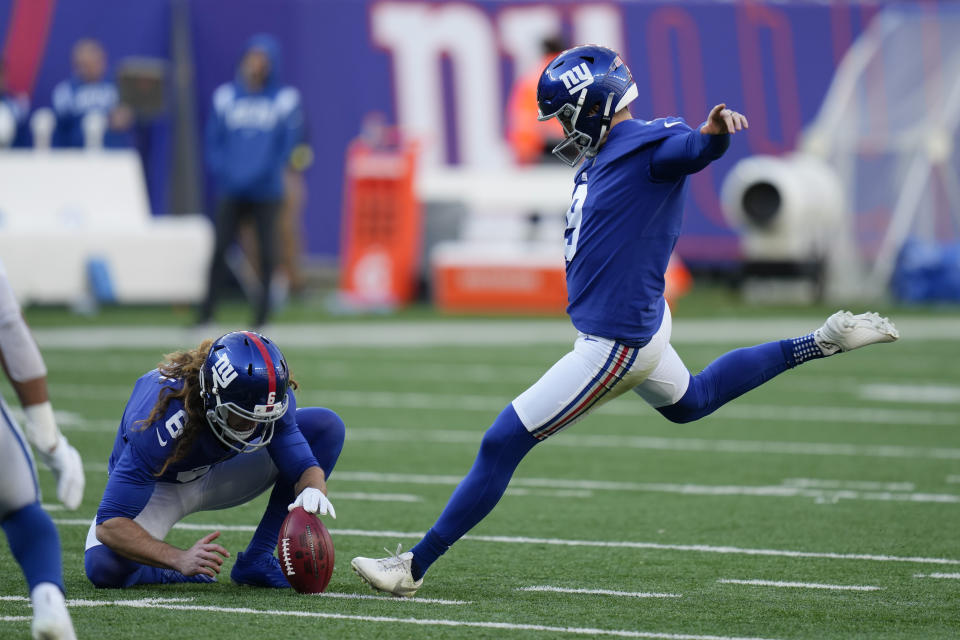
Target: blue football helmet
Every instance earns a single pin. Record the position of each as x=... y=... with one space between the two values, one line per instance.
x=583 y=87
x=244 y=380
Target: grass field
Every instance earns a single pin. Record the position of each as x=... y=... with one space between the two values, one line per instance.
x=825 y=504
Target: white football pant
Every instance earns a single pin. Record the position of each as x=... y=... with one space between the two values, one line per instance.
x=597 y=371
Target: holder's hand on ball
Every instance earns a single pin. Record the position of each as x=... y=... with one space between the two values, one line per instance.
x=313 y=501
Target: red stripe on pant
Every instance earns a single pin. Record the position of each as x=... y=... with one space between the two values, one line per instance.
x=590 y=400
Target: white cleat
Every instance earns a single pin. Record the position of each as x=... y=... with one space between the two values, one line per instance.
x=390 y=575
x=844 y=331
x=51 y=621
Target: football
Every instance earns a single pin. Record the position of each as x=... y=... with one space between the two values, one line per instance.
x=305 y=551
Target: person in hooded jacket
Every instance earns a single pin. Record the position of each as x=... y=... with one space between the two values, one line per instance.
x=254 y=124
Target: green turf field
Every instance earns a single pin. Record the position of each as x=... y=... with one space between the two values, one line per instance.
x=823 y=505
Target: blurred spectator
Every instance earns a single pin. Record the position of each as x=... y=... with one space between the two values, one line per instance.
x=530 y=140
x=13 y=112
x=254 y=125
x=291 y=215
x=89 y=92
x=288 y=278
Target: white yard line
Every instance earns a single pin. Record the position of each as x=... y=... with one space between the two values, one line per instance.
x=359 y=596
x=173 y=605
x=600 y=441
x=941 y=576
x=825 y=495
x=421 y=401
x=375 y=497
x=562 y=493
x=864 y=485
x=832 y=491
x=611 y=544
x=801 y=585
x=578 y=441
x=821 y=491
x=911 y=393
x=600 y=592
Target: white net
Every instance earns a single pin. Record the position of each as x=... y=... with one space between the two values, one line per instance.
x=889 y=126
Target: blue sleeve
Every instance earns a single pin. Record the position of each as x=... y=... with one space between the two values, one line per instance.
x=129 y=487
x=289 y=449
x=681 y=155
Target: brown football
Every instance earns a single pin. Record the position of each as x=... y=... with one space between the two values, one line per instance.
x=305 y=551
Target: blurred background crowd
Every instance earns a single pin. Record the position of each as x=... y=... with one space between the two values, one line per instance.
x=189 y=150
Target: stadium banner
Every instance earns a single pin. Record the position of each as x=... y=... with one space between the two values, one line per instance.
x=442 y=71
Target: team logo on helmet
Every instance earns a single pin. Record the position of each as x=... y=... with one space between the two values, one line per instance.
x=577 y=78
x=223 y=372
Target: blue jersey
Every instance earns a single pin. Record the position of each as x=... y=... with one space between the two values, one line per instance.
x=141 y=450
x=624 y=222
x=72 y=100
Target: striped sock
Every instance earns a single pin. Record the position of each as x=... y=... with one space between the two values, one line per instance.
x=805 y=348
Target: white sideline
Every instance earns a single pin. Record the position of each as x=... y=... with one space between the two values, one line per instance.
x=600 y=592
x=613 y=544
x=800 y=585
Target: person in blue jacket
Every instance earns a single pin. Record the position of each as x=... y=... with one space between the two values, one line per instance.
x=88 y=91
x=254 y=124
x=210 y=428
x=622 y=226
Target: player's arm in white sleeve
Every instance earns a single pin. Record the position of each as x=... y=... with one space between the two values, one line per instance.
x=24 y=366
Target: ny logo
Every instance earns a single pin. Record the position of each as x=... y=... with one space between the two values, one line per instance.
x=223 y=372
x=577 y=78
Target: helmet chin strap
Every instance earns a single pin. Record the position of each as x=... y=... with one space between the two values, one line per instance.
x=604 y=126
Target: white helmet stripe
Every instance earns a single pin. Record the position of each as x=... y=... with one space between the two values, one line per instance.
x=628 y=96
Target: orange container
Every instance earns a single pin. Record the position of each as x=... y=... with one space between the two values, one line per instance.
x=467 y=280
x=382 y=225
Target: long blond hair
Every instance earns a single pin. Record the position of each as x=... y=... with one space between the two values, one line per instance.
x=182 y=365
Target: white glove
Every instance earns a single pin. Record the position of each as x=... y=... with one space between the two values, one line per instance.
x=67 y=468
x=313 y=501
